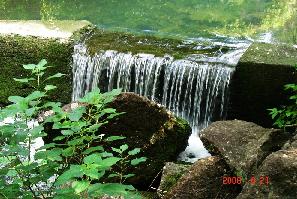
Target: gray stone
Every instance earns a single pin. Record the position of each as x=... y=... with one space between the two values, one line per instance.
x=291 y=144
x=279 y=178
x=170 y=175
x=204 y=180
x=243 y=145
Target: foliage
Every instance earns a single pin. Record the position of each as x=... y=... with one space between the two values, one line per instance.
x=76 y=164
x=287 y=115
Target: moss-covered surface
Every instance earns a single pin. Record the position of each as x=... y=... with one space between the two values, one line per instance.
x=258 y=82
x=270 y=54
x=146 y=125
x=126 y=42
x=170 y=175
x=17 y=50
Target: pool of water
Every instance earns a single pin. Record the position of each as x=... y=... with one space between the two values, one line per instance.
x=189 y=19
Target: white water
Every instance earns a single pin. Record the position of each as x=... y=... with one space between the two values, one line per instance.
x=192 y=88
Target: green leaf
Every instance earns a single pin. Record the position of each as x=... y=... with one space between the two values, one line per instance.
x=35 y=95
x=30 y=111
x=124 y=147
x=42 y=63
x=74 y=172
x=80 y=186
x=77 y=113
x=108 y=162
x=24 y=80
x=112 y=189
x=116 y=150
x=58 y=138
x=134 y=151
x=49 y=87
x=94 y=158
x=57 y=75
x=113 y=175
x=16 y=99
x=128 y=175
x=114 y=138
x=93 y=149
x=67 y=132
x=29 y=66
x=93 y=97
x=68 y=152
x=137 y=161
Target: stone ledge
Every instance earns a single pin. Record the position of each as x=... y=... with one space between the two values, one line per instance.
x=62 y=30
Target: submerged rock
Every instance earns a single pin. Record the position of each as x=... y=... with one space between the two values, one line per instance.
x=277 y=177
x=170 y=175
x=204 y=180
x=243 y=145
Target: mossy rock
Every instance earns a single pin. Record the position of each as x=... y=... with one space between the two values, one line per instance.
x=17 y=50
x=127 y=42
x=258 y=82
x=149 y=126
x=170 y=175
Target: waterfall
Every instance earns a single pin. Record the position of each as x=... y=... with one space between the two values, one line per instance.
x=196 y=91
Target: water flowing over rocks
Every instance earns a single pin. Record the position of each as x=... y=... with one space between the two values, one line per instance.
x=193 y=90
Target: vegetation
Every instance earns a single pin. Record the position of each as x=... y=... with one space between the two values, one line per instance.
x=77 y=163
x=286 y=117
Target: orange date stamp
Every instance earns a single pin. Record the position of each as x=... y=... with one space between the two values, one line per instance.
x=237 y=180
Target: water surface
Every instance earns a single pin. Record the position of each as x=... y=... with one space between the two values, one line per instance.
x=175 y=18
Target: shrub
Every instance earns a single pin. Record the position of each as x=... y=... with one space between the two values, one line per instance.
x=76 y=163
x=286 y=117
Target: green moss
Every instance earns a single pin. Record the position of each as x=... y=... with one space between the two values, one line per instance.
x=17 y=50
x=270 y=54
x=126 y=42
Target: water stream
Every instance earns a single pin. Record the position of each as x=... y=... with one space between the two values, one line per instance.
x=192 y=88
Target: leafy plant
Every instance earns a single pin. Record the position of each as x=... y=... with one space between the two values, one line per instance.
x=75 y=164
x=286 y=117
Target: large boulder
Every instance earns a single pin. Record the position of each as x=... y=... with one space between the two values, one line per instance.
x=149 y=126
x=276 y=179
x=204 y=180
x=170 y=175
x=243 y=145
x=258 y=82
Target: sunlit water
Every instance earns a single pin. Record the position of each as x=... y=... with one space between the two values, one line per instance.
x=183 y=18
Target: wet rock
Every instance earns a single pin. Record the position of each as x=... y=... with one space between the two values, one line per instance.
x=149 y=126
x=170 y=175
x=204 y=180
x=243 y=145
x=277 y=178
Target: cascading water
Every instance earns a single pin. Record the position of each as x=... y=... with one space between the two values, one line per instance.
x=196 y=91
